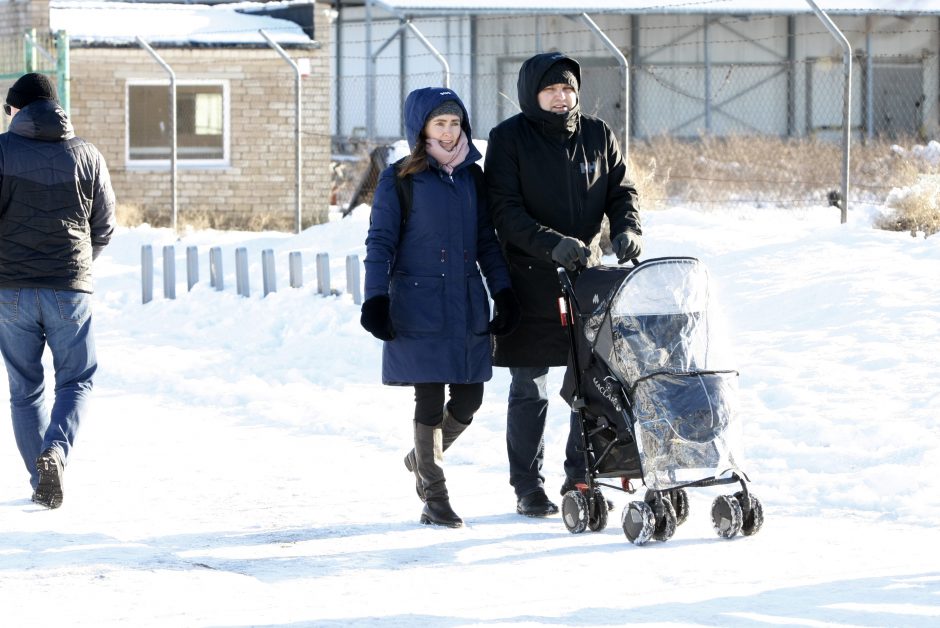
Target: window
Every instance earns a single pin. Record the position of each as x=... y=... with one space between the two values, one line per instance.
x=201 y=123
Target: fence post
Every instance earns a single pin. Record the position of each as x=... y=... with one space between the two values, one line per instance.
x=268 y=277
x=241 y=272
x=169 y=272
x=352 y=278
x=295 y=261
x=192 y=267
x=215 y=267
x=146 y=273
x=323 y=273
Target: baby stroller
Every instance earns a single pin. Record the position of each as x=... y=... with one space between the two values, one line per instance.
x=651 y=401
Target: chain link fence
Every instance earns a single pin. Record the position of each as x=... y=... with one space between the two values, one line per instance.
x=29 y=52
x=741 y=110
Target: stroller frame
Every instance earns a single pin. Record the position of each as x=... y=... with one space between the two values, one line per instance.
x=667 y=508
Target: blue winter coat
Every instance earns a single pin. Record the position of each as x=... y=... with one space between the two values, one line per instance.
x=430 y=267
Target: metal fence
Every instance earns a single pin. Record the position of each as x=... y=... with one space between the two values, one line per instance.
x=729 y=109
x=43 y=52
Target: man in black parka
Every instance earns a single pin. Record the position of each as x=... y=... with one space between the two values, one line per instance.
x=56 y=216
x=552 y=174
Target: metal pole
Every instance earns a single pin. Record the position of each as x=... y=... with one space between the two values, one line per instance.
x=63 y=70
x=295 y=263
x=370 y=77
x=869 y=83
x=298 y=159
x=29 y=51
x=169 y=272
x=146 y=273
x=846 y=102
x=437 y=55
x=370 y=104
x=215 y=268
x=352 y=278
x=323 y=273
x=340 y=71
x=192 y=267
x=708 y=78
x=625 y=66
x=143 y=44
x=268 y=277
x=241 y=272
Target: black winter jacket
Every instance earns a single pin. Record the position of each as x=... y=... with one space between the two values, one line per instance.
x=550 y=176
x=56 y=202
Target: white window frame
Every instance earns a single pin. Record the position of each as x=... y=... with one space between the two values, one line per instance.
x=181 y=162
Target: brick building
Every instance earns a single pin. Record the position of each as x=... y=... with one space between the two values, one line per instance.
x=235 y=103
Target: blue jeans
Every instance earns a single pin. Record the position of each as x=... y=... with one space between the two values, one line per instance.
x=31 y=318
x=525 y=431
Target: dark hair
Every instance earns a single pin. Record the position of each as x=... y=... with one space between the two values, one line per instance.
x=418 y=159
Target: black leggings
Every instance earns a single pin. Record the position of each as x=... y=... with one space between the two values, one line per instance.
x=465 y=399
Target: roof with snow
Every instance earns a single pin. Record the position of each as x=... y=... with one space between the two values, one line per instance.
x=741 y=7
x=97 y=22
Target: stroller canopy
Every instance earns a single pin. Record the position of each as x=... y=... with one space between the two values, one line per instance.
x=654 y=318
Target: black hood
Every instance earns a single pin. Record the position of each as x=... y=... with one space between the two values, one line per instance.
x=42 y=120
x=530 y=75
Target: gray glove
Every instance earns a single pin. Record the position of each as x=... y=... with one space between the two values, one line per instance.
x=570 y=253
x=627 y=246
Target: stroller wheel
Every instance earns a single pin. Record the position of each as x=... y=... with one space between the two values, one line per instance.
x=753 y=517
x=680 y=501
x=639 y=522
x=598 y=519
x=726 y=516
x=574 y=511
x=666 y=523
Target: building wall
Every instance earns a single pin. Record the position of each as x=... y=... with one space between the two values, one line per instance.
x=260 y=178
x=749 y=90
x=18 y=15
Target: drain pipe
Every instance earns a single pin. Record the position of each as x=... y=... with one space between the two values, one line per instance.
x=143 y=44
x=298 y=158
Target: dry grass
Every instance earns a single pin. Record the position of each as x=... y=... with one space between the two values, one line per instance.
x=133 y=215
x=751 y=171
x=915 y=207
x=763 y=170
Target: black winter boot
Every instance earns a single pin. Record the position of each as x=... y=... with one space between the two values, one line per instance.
x=429 y=454
x=451 y=428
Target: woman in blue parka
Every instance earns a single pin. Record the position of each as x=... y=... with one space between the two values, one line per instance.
x=424 y=291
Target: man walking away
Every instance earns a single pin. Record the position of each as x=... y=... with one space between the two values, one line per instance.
x=56 y=215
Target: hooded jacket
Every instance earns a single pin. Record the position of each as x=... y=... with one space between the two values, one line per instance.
x=56 y=202
x=550 y=175
x=430 y=266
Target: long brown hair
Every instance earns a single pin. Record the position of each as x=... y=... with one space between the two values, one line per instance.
x=418 y=159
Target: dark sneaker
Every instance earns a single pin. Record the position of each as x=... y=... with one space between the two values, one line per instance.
x=49 y=491
x=536 y=504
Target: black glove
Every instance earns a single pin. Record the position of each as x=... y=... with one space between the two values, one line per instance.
x=570 y=253
x=507 y=315
x=627 y=246
x=375 y=318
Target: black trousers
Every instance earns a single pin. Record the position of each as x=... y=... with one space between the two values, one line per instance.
x=465 y=400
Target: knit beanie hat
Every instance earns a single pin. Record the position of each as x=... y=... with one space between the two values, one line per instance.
x=447 y=108
x=30 y=88
x=559 y=72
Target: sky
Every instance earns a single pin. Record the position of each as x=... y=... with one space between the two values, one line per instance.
x=241 y=464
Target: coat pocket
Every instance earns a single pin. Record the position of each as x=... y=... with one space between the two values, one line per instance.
x=417 y=304
x=537 y=288
x=479 y=306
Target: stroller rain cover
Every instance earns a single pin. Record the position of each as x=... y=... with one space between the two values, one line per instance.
x=648 y=336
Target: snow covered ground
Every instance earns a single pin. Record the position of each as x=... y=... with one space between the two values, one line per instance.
x=243 y=465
